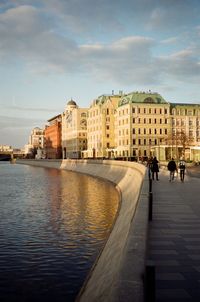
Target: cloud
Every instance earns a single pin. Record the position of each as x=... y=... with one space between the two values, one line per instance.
x=182 y=66
x=42 y=37
x=8 y=122
x=29 y=109
x=171 y=40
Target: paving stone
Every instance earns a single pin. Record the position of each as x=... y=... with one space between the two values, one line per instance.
x=174 y=239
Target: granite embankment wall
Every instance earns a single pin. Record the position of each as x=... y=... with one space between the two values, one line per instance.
x=118 y=272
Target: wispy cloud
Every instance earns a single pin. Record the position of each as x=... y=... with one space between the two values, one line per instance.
x=36 y=36
x=7 y=122
x=30 y=109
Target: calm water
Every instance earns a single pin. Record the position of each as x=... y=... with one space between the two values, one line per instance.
x=53 y=224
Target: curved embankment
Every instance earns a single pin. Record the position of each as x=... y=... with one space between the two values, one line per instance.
x=117 y=274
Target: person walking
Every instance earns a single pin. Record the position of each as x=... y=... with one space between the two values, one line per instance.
x=182 y=169
x=154 y=168
x=172 y=168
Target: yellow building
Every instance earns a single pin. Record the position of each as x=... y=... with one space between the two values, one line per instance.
x=184 y=140
x=136 y=126
x=101 y=127
x=142 y=126
x=74 y=130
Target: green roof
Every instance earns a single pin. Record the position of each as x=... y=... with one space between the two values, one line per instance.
x=142 y=97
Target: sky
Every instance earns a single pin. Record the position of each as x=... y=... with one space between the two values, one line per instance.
x=55 y=50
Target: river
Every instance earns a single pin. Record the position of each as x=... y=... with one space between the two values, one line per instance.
x=53 y=225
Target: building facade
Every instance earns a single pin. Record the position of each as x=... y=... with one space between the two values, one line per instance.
x=184 y=139
x=139 y=125
x=52 y=133
x=74 y=130
x=142 y=125
x=36 y=142
x=101 y=127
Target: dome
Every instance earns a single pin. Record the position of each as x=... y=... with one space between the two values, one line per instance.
x=71 y=103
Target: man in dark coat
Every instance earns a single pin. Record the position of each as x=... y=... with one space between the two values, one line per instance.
x=172 y=168
x=155 y=168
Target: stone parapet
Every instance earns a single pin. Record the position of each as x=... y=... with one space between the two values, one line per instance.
x=117 y=275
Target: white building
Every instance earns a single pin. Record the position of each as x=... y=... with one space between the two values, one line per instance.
x=74 y=130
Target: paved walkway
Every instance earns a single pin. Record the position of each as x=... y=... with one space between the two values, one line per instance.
x=174 y=244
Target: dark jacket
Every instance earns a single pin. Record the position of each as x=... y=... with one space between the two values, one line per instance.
x=154 y=166
x=172 y=166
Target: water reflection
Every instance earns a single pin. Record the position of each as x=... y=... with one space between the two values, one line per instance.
x=52 y=226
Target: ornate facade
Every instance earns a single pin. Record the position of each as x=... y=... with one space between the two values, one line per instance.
x=101 y=127
x=140 y=125
x=74 y=130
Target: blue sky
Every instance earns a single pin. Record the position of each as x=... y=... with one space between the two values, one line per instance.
x=55 y=50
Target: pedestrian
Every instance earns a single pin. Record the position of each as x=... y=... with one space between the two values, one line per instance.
x=149 y=166
x=155 y=168
x=182 y=169
x=172 y=168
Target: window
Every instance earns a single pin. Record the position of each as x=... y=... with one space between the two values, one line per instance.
x=165 y=111
x=190 y=133
x=155 y=121
x=166 y=121
x=108 y=145
x=144 y=130
x=155 y=131
x=134 y=141
x=138 y=130
x=149 y=110
x=139 y=141
x=107 y=111
x=145 y=141
x=160 y=121
x=133 y=120
x=107 y=127
x=165 y=131
x=160 y=111
x=144 y=121
x=133 y=110
x=133 y=130
x=149 y=131
x=150 y=121
x=160 y=131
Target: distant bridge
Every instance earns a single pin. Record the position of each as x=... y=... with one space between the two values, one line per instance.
x=6 y=155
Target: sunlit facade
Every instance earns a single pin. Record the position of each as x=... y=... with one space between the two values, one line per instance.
x=74 y=130
x=142 y=125
x=53 y=149
x=101 y=127
x=36 y=139
x=139 y=125
x=184 y=139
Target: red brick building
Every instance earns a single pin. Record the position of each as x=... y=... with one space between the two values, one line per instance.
x=52 y=134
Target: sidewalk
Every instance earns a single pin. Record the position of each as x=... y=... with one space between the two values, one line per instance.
x=174 y=238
